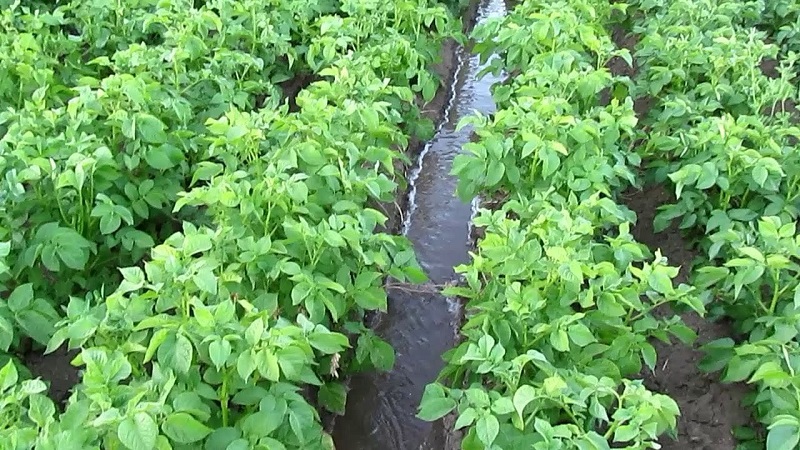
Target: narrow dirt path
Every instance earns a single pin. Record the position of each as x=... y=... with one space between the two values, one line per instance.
x=710 y=410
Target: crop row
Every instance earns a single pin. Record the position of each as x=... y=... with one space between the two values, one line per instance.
x=560 y=296
x=722 y=133
x=209 y=252
x=559 y=293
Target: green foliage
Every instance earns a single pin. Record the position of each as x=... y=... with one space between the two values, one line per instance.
x=209 y=254
x=559 y=295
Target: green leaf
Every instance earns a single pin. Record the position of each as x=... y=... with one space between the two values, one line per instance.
x=221 y=438
x=625 y=433
x=163 y=157
x=659 y=280
x=760 y=175
x=373 y=298
x=21 y=297
x=109 y=223
x=41 y=410
x=271 y=444
x=381 y=354
x=524 y=395
x=327 y=342
x=74 y=256
x=739 y=369
x=432 y=409
x=254 y=332
x=36 y=325
x=466 y=418
x=206 y=281
x=333 y=397
x=268 y=365
x=495 y=173
x=6 y=334
x=196 y=243
x=245 y=365
x=176 y=352
x=300 y=291
x=487 y=428
x=138 y=432
x=649 y=355
x=8 y=376
x=771 y=374
x=184 y=429
x=559 y=339
x=219 y=351
x=783 y=437
x=151 y=129
x=581 y=335
x=708 y=176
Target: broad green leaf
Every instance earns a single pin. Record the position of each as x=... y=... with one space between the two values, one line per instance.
x=559 y=339
x=381 y=354
x=522 y=397
x=333 y=396
x=659 y=280
x=184 y=429
x=219 y=350
x=649 y=355
x=21 y=297
x=196 y=243
x=245 y=365
x=783 y=437
x=150 y=128
x=221 y=438
x=206 y=281
x=739 y=369
x=327 y=342
x=487 y=427
x=268 y=365
x=255 y=331
x=432 y=409
x=176 y=352
x=466 y=418
x=581 y=335
x=625 y=433
x=41 y=409
x=138 y=432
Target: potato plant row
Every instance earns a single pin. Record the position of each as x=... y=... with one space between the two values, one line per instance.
x=723 y=134
x=208 y=251
x=560 y=296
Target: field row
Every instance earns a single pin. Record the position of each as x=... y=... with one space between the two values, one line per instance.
x=560 y=296
x=189 y=202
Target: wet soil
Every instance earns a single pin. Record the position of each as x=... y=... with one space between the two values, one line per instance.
x=710 y=410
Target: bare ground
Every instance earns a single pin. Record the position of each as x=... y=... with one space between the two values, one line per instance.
x=55 y=370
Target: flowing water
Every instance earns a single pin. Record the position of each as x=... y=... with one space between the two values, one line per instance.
x=381 y=407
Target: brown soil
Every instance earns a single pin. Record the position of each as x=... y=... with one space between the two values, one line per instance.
x=710 y=410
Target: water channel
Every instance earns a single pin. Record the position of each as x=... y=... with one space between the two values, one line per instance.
x=381 y=407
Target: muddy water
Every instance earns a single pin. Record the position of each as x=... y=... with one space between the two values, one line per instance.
x=421 y=325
